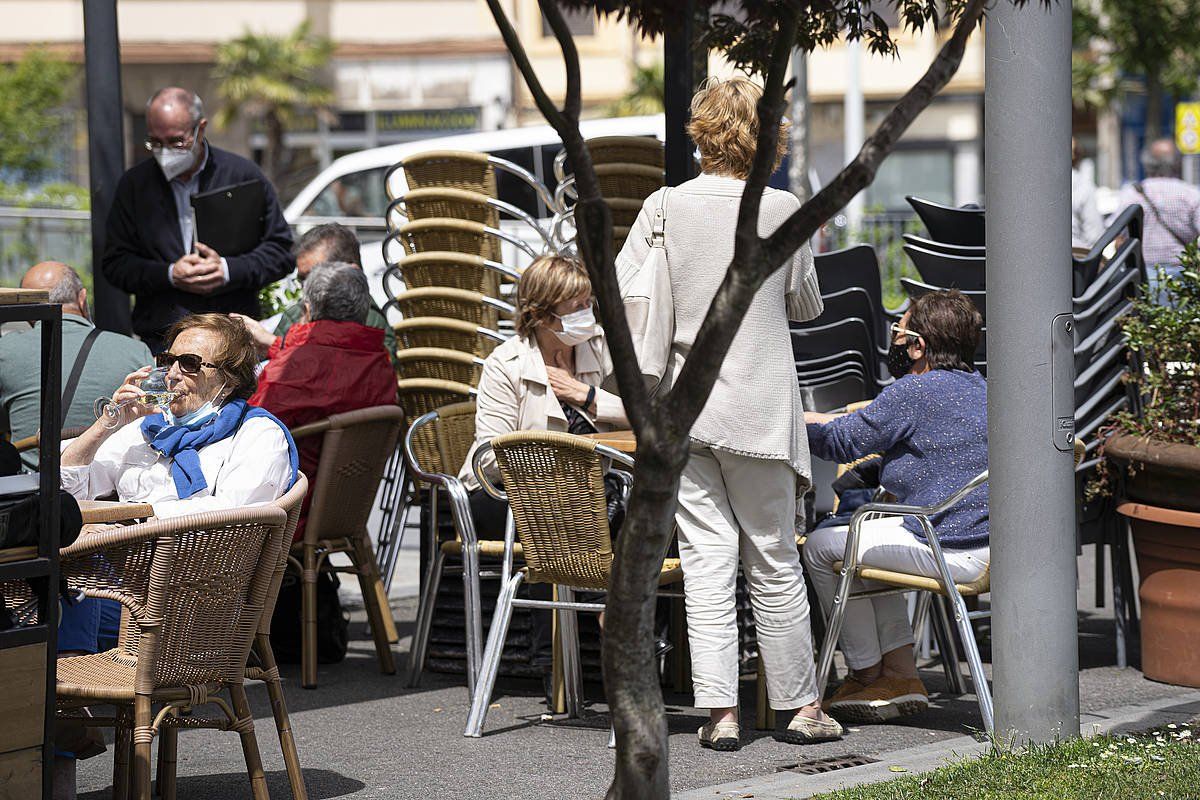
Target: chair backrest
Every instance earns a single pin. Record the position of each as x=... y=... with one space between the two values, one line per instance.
x=961 y=226
x=944 y=247
x=914 y=289
x=852 y=334
x=645 y=150
x=948 y=272
x=438 y=363
x=451 y=334
x=291 y=502
x=852 y=302
x=631 y=181
x=354 y=452
x=442 y=301
x=33 y=442
x=419 y=396
x=624 y=210
x=555 y=487
x=455 y=435
x=443 y=201
x=448 y=234
x=834 y=394
x=474 y=273
x=853 y=267
x=198 y=585
x=458 y=169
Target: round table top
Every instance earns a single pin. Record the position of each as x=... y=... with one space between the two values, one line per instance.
x=622 y=441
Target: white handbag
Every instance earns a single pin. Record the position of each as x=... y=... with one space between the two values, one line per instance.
x=649 y=309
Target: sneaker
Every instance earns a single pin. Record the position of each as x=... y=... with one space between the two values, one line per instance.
x=723 y=736
x=806 y=730
x=885 y=699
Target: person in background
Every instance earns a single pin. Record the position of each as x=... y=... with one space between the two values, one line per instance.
x=148 y=250
x=334 y=361
x=325 y=243
x=96 y=359
x=1086 y=224
x=748 y=461
x=931 y=428
x=1172 y=212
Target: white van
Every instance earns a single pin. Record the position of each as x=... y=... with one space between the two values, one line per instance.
x=351 y=190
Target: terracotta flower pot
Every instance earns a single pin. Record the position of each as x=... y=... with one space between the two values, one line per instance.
x=1165 y=474
x=1167 y=543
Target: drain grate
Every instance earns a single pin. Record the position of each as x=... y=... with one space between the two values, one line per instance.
x=818 y=765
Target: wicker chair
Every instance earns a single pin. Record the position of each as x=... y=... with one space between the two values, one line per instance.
x=452 y=431
x=355 y=448
x=453 y=203
x=419 y=396
x=439 y=364
x=455 y=270
x=453 y=235
x=193 y=591
x=617 y=149
x=440 y=301
x=451 y=334
x=554 y=484
x=262 y=666
x=629 y=181
x=461 y=169
x=28 y=443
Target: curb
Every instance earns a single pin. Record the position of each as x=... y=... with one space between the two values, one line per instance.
x=928 y=757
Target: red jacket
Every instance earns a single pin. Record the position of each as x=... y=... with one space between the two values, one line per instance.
x=328 y=367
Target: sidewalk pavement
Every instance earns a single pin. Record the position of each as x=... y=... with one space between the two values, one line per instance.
x=365 y=735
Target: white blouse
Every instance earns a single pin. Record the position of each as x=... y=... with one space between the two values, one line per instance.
x=249 y=468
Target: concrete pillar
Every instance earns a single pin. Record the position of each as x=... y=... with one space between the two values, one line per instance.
x=1030 y=371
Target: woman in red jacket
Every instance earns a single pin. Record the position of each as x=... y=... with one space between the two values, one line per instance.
x=333 y=361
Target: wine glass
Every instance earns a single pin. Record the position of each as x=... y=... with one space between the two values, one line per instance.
x=154 y=393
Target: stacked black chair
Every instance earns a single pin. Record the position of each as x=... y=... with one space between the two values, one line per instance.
x=960 y=226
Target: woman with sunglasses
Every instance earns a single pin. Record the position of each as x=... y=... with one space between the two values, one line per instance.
x=930 y=427
x=206 y=450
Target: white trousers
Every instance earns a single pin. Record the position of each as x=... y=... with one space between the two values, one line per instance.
x=731 y=506
x=879 y=625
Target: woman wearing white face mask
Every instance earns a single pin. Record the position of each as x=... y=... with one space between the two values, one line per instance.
x=550 y=376
x=207 y=450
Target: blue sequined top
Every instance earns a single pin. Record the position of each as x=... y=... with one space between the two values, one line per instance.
x=932 y=432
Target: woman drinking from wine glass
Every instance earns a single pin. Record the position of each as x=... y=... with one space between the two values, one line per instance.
x=206 y=449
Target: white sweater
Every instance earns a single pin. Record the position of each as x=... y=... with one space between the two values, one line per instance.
x=755 y=408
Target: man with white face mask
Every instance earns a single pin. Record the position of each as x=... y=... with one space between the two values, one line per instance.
x=151 y=250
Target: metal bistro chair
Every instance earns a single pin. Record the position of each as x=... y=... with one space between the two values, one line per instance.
x=900 y=583
x=354 y=449
x=474 y=273
x=554 y=484
x=452 y=429
x=438 y=363
x=193 y=590
x=463 y=169
x=262 y=666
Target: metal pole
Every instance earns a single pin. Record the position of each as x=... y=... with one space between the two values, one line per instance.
x=852 y=125
x=683 y=70
x=106 y=148
x=798 y=162
x=1027 y=129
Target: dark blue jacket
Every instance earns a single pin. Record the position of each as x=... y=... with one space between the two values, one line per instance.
x=142 y=241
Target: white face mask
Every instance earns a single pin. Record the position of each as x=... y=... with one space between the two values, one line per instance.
x=198 y=417
x=176 y=162
x=577 y=327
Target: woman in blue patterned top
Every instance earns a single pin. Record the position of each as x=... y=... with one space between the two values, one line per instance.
x=931 y=428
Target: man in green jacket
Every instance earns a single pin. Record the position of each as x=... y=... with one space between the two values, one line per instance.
x=102 y=368
x=326 y=243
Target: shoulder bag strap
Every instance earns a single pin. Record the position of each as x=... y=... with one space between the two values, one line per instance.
x=76 y=371
x=1181 y=241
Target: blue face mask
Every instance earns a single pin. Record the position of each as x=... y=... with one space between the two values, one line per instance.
x=198 y=417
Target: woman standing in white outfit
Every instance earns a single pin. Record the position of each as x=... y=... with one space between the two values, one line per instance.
x=749 y=452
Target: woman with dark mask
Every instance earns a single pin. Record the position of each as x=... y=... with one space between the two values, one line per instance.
x=930 y=427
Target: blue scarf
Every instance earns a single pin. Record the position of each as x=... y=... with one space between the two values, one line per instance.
x=181 y=443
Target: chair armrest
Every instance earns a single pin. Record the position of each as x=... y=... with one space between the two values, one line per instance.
x=311 y=429
x=901 y=510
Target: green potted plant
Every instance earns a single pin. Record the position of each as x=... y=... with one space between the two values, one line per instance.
x=1154 y=469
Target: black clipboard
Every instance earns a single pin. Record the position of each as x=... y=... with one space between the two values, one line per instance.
x=229 y=219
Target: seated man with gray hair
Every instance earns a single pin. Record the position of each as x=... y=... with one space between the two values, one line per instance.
x=334 y=362
x=93 y=361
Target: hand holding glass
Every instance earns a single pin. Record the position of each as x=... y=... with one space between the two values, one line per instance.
x=155 y=394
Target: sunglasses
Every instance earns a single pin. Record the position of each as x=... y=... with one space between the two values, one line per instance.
x=189 y=363
x=896 y=330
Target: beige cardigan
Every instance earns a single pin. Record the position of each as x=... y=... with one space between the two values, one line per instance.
x=515 y=395
x=755 y=408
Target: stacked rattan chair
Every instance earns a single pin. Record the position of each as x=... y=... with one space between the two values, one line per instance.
x=628 y=169
x=193 y=591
